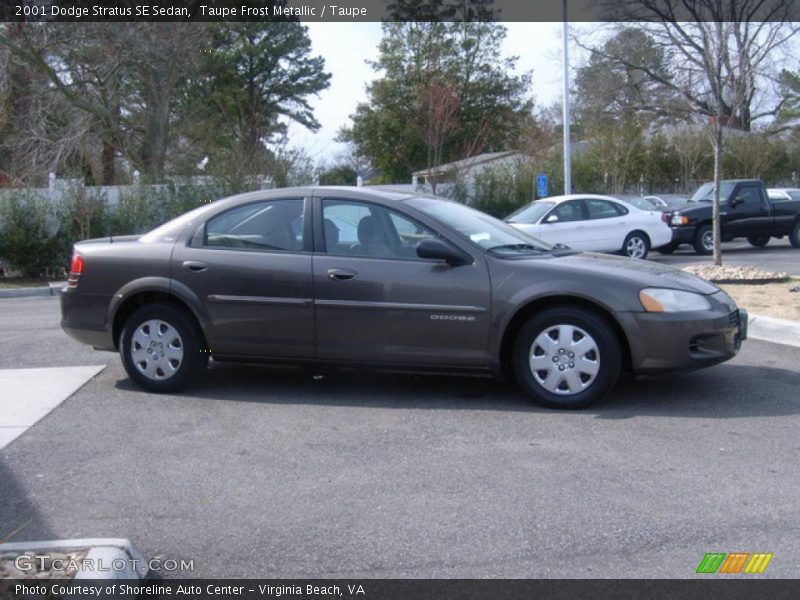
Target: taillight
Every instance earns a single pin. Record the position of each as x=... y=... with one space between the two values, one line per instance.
x=75 y=269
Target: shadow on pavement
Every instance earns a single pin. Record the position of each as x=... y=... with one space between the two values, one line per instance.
x=20 y=519
x=724 y=391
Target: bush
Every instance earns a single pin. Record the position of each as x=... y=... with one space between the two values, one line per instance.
x=30 y=237
x=502 y=190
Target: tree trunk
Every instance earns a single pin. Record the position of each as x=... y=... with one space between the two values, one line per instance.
x=717 y=179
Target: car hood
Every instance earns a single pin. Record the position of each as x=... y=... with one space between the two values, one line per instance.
x=691 y=208
x=640 y=272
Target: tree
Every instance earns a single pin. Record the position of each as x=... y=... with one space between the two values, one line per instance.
x=717 y=52
x=255 y=79
x=445 y=94
x=339 y=175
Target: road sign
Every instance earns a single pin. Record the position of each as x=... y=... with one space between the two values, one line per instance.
x=541 y=185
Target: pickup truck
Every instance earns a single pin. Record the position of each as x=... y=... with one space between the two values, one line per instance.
x=745 y=212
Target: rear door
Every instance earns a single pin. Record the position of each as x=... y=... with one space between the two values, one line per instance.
x=376 y=301
x=607 y=225
x=251 y=267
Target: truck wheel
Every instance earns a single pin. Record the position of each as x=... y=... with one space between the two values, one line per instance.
x=161 y=348
x=668 y=249
x=636 y=245
x=794 y=236
x=704 y=240
x=758 y=241
x=566 y=358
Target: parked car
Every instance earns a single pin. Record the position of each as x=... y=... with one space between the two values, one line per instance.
x=369 y=278
x=783 y=193
x=667 y=201
x=595 y=223
x=745 y=212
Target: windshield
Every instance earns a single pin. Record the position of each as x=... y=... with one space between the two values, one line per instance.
x=530 y=213
x=705 y=192
x=489 y=233
x=639 y=203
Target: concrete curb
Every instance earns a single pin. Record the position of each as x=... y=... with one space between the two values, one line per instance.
x=777 y=331
x=52 y=289
x=107 y=558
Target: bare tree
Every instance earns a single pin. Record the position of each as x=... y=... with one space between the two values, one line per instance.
x=719 y=51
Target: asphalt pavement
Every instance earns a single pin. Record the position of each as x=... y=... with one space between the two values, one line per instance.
x=262 y=472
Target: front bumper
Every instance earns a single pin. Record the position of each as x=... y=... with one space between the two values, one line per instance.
x=677 y=342
x=683 y=234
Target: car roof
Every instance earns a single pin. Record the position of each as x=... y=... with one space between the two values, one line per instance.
x=354 y=192
x=580 y=197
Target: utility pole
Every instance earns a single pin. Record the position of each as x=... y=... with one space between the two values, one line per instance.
x=565 y=118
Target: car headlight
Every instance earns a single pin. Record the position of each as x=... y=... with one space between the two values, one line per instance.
x=680 y=220
x=665 y=300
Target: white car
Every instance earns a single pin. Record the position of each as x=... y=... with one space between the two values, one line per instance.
x=783 y=193
x=594 y=223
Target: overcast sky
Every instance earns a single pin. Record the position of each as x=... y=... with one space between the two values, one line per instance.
x=346 y=47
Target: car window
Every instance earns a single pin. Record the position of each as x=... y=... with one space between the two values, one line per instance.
x=568 y=211
x=354 y=228
x=530 y=213
x=751 y=195
x=602 y=209
x=268 y=225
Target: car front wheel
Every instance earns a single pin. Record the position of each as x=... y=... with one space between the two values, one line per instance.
x=636 y=245
x=161 y=348
x=566 y=358
x=704 y=240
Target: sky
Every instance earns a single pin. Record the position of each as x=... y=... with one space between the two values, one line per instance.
x=347 y=46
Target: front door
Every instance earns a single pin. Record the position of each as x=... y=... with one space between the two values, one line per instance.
x=747 y=213
x=377 y=301
x=251 y=267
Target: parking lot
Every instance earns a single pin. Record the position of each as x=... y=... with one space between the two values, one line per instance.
x=778 y=256
x=283 y=473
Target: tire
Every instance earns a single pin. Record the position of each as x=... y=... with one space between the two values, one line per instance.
x=668 y=249
x=794 y=235
x=758 y=241
x=636 y=245
x=560 y=381
x=704 y=240
x=177 y=358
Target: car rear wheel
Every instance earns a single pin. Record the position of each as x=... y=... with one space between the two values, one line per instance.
x=566 y=358
x=794 y=236
x=704 y=240
x=758 y=241
x=161 y=348
x=636 y=245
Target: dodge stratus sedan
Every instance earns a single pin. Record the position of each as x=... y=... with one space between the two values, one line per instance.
x=352 y=276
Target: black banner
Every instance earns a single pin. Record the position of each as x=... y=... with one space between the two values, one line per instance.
x=397 y=10
x=402 y=589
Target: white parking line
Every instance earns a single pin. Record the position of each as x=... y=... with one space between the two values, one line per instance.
x=27 y=395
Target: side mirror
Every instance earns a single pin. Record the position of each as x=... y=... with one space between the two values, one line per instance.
x=551 y=219
x=437 y=249
x=737 y=201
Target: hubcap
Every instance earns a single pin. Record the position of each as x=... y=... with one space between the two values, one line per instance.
x=564 y=359
x=708 y=240
x=635 y=247
x=156 y=349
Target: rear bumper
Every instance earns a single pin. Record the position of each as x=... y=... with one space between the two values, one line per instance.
x=83 y=318
x=667 y=343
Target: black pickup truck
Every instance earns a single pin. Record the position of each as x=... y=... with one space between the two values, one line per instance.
x=745 y=212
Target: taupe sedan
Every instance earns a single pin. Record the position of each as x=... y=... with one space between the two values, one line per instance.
x=352 y=276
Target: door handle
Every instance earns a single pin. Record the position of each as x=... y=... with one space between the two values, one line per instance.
x=341 y=274
x=195 y=266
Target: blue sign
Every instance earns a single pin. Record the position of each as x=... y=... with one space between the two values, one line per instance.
x=541 y=185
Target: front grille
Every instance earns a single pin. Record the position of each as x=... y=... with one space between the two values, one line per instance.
x=733 y=318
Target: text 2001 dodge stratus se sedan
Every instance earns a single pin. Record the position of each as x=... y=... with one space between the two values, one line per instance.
x=354 y=276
